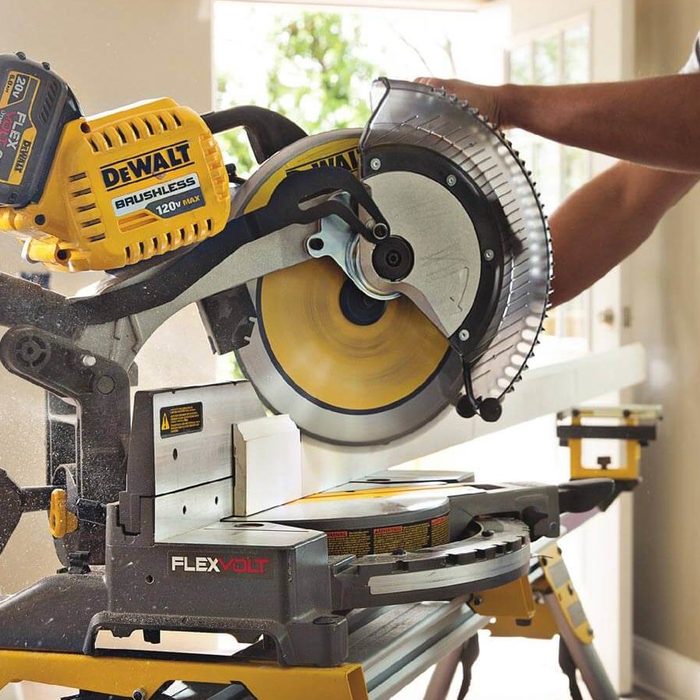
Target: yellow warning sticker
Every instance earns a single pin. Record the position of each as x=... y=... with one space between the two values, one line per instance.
x=181 y=419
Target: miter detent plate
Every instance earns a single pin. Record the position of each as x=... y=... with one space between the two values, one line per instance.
x=353 y=382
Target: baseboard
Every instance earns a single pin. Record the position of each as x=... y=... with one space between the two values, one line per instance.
x=665 y=673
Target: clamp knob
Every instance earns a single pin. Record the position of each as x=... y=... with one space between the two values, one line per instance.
x=61 y=520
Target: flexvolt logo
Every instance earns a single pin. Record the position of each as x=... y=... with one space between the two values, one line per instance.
x=145 y=165
x=232 y=565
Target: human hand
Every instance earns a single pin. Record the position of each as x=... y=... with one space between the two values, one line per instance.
x=487 y=99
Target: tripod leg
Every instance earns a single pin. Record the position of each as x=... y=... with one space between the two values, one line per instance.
x=583 y=655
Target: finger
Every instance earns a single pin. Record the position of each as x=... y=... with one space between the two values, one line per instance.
x=433 y=82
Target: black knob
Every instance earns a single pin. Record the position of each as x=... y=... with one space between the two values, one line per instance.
x=490 y=410
x=393 y=258
x=465 y=407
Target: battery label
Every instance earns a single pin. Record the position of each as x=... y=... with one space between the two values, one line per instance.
x=182 y=419
x=379 y=540
x=17 y=131
x=165 y=200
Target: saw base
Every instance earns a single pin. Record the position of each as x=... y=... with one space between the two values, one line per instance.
x=357 y=624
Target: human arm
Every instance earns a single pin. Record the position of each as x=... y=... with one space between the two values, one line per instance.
x=653 y=122
x=601 y=223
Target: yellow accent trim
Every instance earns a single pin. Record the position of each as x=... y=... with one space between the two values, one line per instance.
x=514 y=600
x=385 y=491
x=61 y=520
x=121 y=676
x=304 y=161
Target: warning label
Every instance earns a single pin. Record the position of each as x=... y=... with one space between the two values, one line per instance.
x=185 y=418
x=378 y=540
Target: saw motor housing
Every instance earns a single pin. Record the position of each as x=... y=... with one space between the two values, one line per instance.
x=107 y=191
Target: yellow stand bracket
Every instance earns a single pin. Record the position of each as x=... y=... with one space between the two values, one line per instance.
x=513 y=600
x=635 y=425
x=563 y=593
x=143 y=677
x=553 y=586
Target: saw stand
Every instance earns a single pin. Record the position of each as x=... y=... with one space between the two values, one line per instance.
x=540 y=606
x=547 y=603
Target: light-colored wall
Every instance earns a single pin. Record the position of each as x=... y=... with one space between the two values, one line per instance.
x=112 y=53
x=660 y=284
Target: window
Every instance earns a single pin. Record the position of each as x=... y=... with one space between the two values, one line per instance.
x=560 y=55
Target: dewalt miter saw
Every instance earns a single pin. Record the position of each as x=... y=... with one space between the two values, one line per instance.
x=368 y=280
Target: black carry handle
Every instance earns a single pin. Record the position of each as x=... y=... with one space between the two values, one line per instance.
x=268 y=131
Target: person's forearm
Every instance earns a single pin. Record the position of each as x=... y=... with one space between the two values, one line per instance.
x=655 y=121
x=605 y=220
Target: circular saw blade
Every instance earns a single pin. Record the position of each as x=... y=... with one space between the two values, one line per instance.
x=340 y=363
x=341 y=381
x=352 y=382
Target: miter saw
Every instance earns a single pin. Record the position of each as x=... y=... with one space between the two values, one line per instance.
x=368 y=280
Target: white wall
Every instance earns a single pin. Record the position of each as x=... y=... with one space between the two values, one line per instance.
x=112 y=53
x=660 y=284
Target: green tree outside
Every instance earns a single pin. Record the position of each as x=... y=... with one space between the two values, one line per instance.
x=317 y=79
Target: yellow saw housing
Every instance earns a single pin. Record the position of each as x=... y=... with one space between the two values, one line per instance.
x=126 y=186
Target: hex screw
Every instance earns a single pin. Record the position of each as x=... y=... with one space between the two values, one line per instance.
x=380 y=231
x=89 y=360
x=451 y=180
x=375 y=164
x=105 y=384
x=488 y=255
x=463 y=335
x=139 y=694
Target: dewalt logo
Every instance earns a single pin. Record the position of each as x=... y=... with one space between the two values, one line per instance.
x=145 y=165
x=348 y=159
